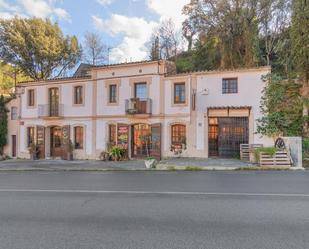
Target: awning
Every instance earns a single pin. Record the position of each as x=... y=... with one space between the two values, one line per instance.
x=228 y=111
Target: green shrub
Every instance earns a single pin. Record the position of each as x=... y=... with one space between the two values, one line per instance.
x=271 y=151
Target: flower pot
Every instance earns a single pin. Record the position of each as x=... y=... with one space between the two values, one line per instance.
x=150 y=163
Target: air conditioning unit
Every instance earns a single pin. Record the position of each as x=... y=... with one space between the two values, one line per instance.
x=205 y=91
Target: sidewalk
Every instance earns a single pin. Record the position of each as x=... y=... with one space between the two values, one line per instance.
x=91 y=165
x=78 y=165
x=203 y=163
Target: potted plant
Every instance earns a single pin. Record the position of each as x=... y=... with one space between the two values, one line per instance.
x=132 y=111
x=150 y=162
x=117 y=153
x=69 y=148
x=33 y=151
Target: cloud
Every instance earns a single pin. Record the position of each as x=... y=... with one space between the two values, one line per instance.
x=136 y=32
x=33 y=8
x=105 y=2
x=169 y=9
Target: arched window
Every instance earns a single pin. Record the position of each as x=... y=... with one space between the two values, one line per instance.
x=178 y=134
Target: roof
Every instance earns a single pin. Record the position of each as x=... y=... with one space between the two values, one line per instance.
x=259 y=68
x=127 y=63
x=56 y=79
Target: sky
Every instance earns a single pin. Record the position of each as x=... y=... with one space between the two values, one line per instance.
x=124 y=25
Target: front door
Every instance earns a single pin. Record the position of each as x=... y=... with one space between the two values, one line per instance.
x=55 y=142
x=54 y=102
x=13 y=145
x=141 y=140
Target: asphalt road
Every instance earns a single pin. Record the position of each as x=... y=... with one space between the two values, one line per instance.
x=78 y=210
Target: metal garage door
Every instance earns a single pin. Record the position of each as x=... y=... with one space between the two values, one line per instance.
x=226 y=134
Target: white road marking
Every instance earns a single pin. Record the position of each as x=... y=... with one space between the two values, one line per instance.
x=150 y=192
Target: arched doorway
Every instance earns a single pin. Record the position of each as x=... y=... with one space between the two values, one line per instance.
x=141 y=140
x=56 y=141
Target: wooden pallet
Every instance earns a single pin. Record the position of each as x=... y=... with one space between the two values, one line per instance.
x=245 y=150
x=280 y=159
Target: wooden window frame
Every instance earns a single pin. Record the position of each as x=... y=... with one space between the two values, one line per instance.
x=176 y=139
x=78 y=146
x=139 y=84
x=183 y=84
x=31 y=98
x=14 y=115
x=112 y=97
x=80 y=100
x=229 y=86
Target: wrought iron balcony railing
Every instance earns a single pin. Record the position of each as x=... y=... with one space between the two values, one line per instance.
x=138 y=106
x=45 y=111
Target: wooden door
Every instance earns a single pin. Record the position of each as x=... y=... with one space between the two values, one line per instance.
x=141 y=140
x=40 y=141
x=155 y=149
x=55 y=142
x=13 y=145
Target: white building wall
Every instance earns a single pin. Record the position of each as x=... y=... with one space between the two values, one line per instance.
x=249 y=93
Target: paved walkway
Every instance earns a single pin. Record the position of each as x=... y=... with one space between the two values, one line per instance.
x=208 y=163
x=71 y=165
x=179 y=163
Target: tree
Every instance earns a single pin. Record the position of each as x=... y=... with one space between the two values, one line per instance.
x=3 y=123
x=168 y=38
x=37 y=47
x=94 y=49
x=155 y=49
x=300 y=38
x=9 y=76
x=281 y=106
x=233 y=24
x=274 y=19
x=300 y=50
x=188 y=31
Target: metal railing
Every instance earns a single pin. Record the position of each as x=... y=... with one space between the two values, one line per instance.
x=45 y=111
x=138 y=106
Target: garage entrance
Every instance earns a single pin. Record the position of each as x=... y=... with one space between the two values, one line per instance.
x=225 y=134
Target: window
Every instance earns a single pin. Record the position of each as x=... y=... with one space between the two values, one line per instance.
x=78 y=137
x=112 y=93
x=78 y=95
x=178 y=134
x=179 y=93
x=31 y=97
x=112 y=133
x=30 y=136
x=140 y=90
x=14 y=113
x=229 y=85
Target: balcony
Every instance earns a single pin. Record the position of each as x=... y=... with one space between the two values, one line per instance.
x=50 y=111
x=139 y=107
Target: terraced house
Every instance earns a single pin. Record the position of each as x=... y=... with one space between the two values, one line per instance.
x=198 y=114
